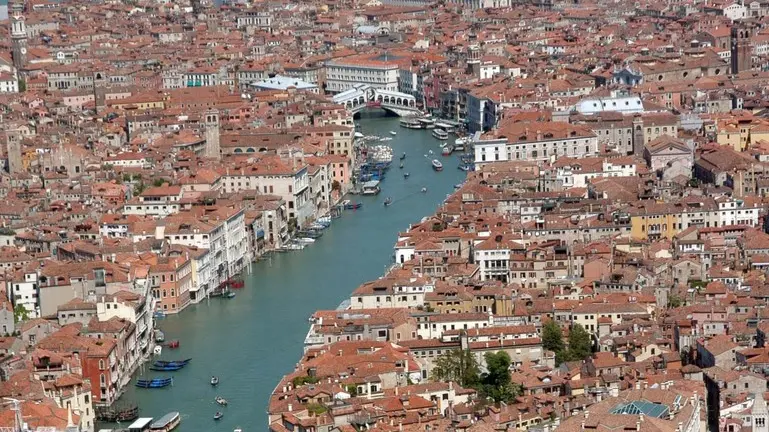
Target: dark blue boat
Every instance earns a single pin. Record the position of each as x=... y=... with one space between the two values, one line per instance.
x=163 y=363
x=167 y=368
x=154 y=383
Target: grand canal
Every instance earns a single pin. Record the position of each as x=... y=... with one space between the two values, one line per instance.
x=255 y=338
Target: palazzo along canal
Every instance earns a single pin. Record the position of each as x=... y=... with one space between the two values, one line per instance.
x=251 y=341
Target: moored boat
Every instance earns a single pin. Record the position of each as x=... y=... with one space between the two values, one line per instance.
x=410 y=123
x=371 y=187
x=447 y=150
x=154 y=383
x=440 y=134
x=172 y=362
x=229 y=295
x=352 y=205
x=221 y=401
x=464 y=168
x=437 y=165
x=167 y=368
x=166 y=423
x=173 y=344
x=159 y=336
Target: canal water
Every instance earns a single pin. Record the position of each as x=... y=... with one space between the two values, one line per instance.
x=251 y=341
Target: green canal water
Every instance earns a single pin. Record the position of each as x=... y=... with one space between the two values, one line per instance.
x=251 y=341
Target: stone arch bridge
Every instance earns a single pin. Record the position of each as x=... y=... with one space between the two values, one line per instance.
x=364 y=96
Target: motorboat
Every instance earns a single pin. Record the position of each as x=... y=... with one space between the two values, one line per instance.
x=406 y=175
x=401 y=167
x=388 y=201
x=464 y=168
x=447 y=150
x=352 y=205
x=437 y=165
x=306 y=240
x=218 y=415
x=403 y=156
x=214 y=380
x=424 y=190
x=229 y=295
x=160 y=337
x=393 y=133
x=221 y=401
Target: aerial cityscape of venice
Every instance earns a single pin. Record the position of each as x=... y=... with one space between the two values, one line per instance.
x=384 y=215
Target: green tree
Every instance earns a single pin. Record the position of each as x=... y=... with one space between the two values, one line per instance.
x=158 y=182
x=580 y=343
x=552 y=337
x=22 y=86
x=459 y=366
x=674 y=301
x=20 y=313
x=497 y=384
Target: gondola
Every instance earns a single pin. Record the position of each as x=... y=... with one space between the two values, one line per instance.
x=167 y=368
x=154 y=383
x=167 y=362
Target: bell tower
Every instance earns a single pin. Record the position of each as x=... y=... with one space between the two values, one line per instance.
x=19 y=41
x=211 y=126
x=741 y=50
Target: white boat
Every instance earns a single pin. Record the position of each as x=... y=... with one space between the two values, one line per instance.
x=393 y=133
x=306 y=240
x=437 y=165
x=440 y=134
x=166 y=423
x=359 y=135
x=371 y=187
x=385 y=139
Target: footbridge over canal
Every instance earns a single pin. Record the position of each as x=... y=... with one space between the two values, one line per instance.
x=364 y=96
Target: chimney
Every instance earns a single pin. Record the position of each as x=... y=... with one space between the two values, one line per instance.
x=290 y=407
x=587 y=414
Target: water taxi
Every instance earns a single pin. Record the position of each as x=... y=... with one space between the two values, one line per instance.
x=440 y=134
x=437 y=165
x=167 y=423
